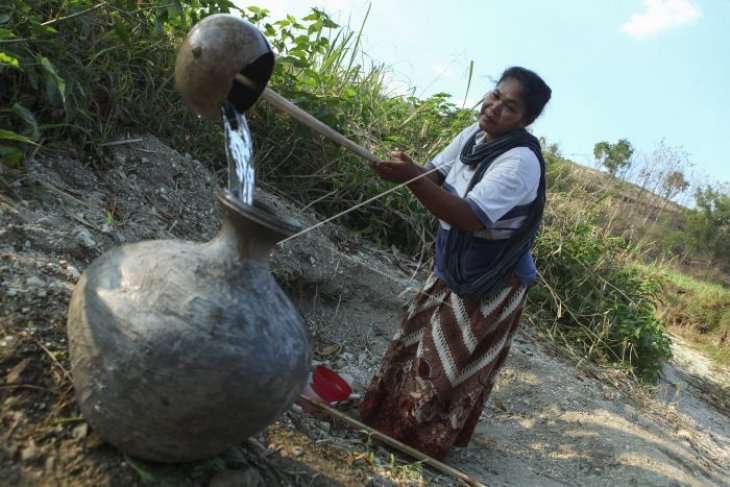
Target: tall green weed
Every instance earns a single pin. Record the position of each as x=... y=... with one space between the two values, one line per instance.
x=77 y=73
x=593 y=298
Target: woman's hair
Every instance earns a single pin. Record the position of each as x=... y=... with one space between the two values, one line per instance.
x=535 y=92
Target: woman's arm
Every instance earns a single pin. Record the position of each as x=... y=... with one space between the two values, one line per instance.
x=445 y=206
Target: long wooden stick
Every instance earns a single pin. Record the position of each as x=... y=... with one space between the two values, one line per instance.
x=300 y=115
x=408 y=450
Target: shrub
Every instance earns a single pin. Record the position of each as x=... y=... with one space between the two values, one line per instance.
x=599 y=303
x=77 y=73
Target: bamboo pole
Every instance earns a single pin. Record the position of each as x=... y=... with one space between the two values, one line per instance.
x=300 y=115
x=408 y=450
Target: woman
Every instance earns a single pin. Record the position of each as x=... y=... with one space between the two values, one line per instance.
x=487 y=189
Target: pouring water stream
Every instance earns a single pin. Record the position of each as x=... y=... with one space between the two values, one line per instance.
x=239 y=152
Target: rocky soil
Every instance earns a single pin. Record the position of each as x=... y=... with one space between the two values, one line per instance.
x=550 y=421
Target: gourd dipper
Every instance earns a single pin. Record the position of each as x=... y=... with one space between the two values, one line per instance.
x=225 y=58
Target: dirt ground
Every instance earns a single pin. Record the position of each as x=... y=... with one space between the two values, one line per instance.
x=550 y=421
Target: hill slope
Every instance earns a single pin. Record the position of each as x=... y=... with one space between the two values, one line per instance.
x=548 y=422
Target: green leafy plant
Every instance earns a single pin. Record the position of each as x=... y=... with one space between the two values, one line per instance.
x=602 y=306
x=76 y=73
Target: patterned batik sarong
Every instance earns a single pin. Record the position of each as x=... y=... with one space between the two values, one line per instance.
x=441 y=365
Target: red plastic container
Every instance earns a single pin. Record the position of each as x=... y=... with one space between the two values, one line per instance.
x=328 y=385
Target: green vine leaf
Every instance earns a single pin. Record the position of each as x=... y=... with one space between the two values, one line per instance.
x=15 y=137
x=8 y=60
x=27 y=117
x=58 y=81
x=10 y=155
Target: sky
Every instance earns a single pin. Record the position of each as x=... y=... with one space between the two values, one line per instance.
x=643 y=70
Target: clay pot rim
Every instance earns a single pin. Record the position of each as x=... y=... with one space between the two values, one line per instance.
x=261 y=213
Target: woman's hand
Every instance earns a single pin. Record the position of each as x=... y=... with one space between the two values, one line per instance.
x=399 y=171
x=442 y=204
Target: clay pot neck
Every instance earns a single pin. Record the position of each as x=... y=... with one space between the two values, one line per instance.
x=252 y=231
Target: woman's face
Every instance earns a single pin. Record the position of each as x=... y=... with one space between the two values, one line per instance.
x=503 y=109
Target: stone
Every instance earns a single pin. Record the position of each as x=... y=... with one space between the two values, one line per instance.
x=80 y=431
x=31 y=452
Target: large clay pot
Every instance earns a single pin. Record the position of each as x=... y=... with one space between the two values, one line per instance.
x=180 y=350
